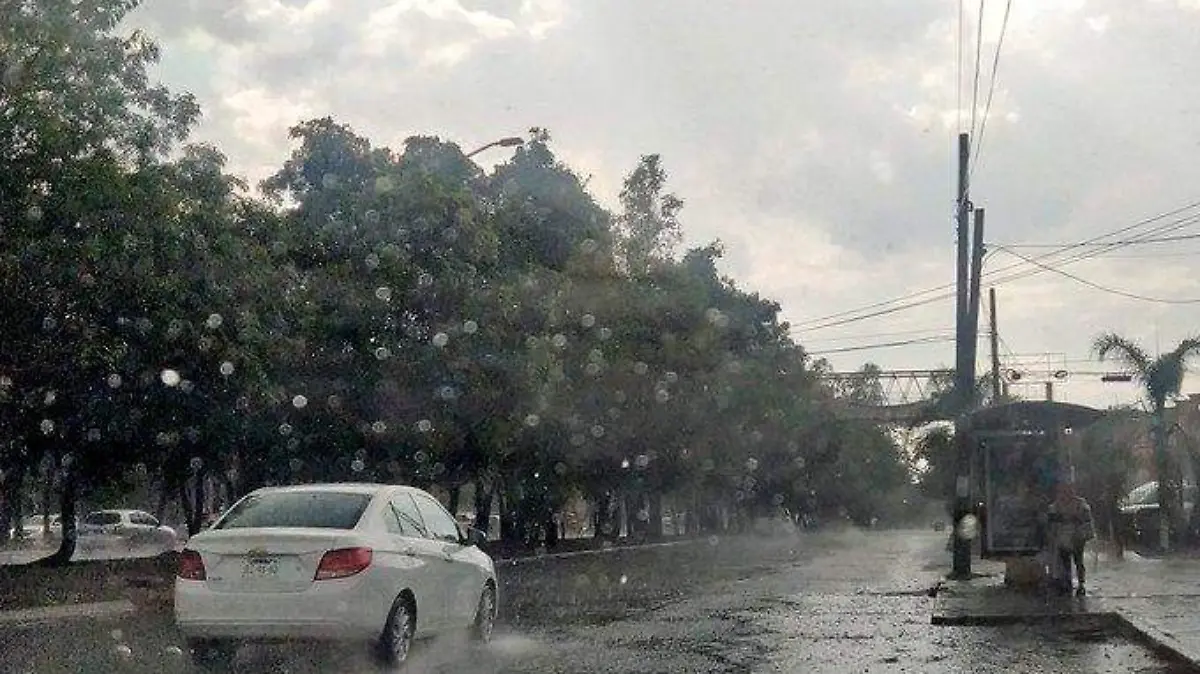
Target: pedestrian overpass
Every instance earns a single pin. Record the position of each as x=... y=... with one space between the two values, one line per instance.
x=894 y=397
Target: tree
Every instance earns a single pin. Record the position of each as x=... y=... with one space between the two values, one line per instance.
x=1161 y=378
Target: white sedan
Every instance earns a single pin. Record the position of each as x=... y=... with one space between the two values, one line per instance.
x=379 y=564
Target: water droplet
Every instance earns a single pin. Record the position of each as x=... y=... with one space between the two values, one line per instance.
x=371 y=216
x=441 y=339
x=47 y=426
x=643 y=515
x=560 y=468
x=624 y=463
x=777 y=499
x=93 y=435
x=48 y=323
x=227 y=368
x=425 y=279
x=587 y=320
x=123 y=651
x=379 y=427
x=531 y=342
x=213 y=321
x=624 y=579
x=170 y=377
x=578 y=439
x=383 y=293
x=34 y=213
x=470 y=327
x=329 y=181
x=300 y=402
x=187 y=386
x=293 y=443
x=662 y=395
x=671 y=377
x=383 y=353
x=641 y=461
x=49 y=398
x=752 y=464
x=372 y=262
x=597 y=431
x=605 y=333
x=438 y=468
x=532 y=420
x=357 y=465
x=295 y=464
x=589 y=246
x=592 y=369
x=559 y=341
x=640 y=368
x=424 y=426
x=334 y=402
x=713 y=541
x=285 y=429
x=117 y=634
x=196 y=463
x=173 y=652
x=800 y=462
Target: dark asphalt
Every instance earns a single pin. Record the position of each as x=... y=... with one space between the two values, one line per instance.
x=848 y=602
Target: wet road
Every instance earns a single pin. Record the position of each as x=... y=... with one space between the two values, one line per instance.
x=816 y=603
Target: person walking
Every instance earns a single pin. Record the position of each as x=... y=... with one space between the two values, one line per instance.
x=1071 y=527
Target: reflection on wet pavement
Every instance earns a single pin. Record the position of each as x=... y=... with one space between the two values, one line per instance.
x=817 y=603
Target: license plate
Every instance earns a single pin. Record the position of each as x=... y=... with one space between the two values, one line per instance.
x=266 y=567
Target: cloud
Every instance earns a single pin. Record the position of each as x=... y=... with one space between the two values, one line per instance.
x=817 y=139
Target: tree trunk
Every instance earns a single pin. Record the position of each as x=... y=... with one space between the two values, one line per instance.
x=70 y=533
x=483 y=506
x=1166 y=509
x=455 y=493
x=654 y=527
x=551 y=527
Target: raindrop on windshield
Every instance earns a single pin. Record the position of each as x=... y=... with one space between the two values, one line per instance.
x=170 y=377
x=379 y=427
x=214 y=321
x=114 y=380
x=424 y=425
x=47 y=426
x=285 y=429
x=532 y=420
x=383 y=293
x=372 y=262
x=559 y=340
x=587 y=320
x=383 y=353
x=640 y=368
x=227 y=368
x=441 y=339
x=357 y=465
x=300 y=402
x=470 y=327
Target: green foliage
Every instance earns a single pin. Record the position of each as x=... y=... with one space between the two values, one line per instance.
x=384 y=314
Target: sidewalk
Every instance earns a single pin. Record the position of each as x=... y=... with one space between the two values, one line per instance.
x=1153 y=601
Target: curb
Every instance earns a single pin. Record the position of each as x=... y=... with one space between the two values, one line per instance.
x=27 y=617
x=514 y=561
x=1157 y=641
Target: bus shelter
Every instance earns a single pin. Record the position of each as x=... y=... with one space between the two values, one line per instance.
x=1020 y=452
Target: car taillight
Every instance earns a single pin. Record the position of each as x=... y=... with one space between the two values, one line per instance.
x=343 y=563
x=191 y=565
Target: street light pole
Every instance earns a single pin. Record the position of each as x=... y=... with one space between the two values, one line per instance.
x=511 y=141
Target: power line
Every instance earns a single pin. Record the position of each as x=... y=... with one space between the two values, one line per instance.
x=1097 y=286
x=883 y=345
x=884 y=307
x=1129 y=242
x=987 y=107
x=958 y=107
x=978 y=57
x=876 y=335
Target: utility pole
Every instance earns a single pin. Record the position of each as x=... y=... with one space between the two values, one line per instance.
x=973 y=298
x=997 y=394
x=964 y=371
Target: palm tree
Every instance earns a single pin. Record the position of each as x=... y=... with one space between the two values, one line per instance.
x=1161 y=378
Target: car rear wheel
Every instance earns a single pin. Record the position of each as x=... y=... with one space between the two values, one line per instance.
x=396 y=640
x=212 y=655
x=485 y=616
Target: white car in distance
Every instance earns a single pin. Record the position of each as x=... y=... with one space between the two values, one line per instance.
x=378 y=564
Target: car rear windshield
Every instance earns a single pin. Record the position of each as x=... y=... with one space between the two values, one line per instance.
x=307 y=509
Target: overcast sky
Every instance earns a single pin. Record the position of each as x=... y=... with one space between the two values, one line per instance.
x=816 y=138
